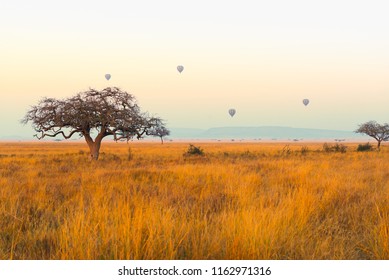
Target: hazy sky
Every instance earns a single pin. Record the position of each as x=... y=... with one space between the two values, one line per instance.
x=259 y=57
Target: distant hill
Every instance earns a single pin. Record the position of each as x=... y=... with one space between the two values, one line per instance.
x=265 y=132
x=14 y=138
x=250 y=133
x=185 y=133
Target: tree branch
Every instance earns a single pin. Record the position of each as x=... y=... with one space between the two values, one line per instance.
x=57 y=133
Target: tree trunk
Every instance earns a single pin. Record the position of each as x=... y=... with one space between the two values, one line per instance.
x=94 y=146
x=94 y=151
x=379 y=144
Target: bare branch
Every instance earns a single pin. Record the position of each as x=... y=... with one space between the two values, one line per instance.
x=57 y=133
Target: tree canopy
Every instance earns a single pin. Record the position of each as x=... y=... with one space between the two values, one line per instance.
x=379 y=132
x=109 y=112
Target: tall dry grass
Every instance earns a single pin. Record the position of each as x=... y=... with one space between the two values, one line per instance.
x=239 y=201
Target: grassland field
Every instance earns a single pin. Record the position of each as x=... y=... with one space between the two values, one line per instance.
x=149 y=201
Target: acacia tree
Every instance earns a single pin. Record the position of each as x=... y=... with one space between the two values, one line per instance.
x=109 y=112
x=160 y=132
x=379 y=132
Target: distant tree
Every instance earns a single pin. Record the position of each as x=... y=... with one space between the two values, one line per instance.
x=379 y=132
x=160 y=132
x=109 y=112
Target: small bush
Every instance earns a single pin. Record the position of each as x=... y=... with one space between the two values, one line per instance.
x=364 y=147
x=193 y=150
x=326 y=148
x=304 y=150
x=338 y=148
x=248 y=155
x=286 y=151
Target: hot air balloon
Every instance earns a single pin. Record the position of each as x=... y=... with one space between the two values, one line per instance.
x=232 y=112
x=180 y=68
x=305 y=102
x=108 y=76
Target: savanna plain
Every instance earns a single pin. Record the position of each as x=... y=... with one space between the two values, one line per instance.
x=144 y=200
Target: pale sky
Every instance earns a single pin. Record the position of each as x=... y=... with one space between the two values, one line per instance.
x=259 y=57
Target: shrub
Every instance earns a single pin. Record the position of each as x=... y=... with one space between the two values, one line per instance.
x=286 y=150
x=304 y=150
x=193 y=150
x=248 y=155
x=326 y=148
x=364 y=147
x=339 y=148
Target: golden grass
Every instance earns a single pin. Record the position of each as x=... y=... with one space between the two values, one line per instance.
x=239 y=201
